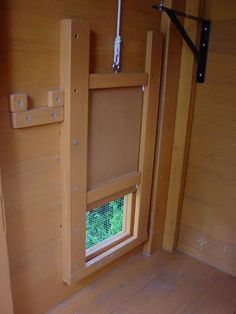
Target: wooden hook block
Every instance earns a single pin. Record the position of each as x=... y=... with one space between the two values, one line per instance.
x=18 y=102
x=21 y=117
x=38 y=116
x=56 y=98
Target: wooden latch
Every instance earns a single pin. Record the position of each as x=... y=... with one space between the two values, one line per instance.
x=22 y=117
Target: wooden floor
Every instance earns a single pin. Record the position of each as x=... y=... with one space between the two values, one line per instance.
x=160 y=284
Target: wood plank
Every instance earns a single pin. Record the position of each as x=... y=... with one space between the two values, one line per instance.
x=106 y=245
x=161 y=283
x=208 y=220
x=216 y=11
x=6 y=304
x=148 y=131
x=108 y=256
x=128 y=220
x=109 y=80
x=30 y=158
x=114 y=186
x=111 y=197
x=115 y=117
x=36 y=117
x=75 y=37
x=18 y=102
x=203 y=246
x=180 y=288
x=166 y=127
x=187 y=86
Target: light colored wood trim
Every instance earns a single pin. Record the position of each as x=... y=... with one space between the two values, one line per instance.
x=181 y=127
x=111 y=80
x=38 y=116
x=128 y=218
x=75 y=37
x=106 y=245
x=148 y=131
x=6 y=304
x=130 y=201
x=166 y=127
x=108 y=256
x=18 y=102
x=56 y=98
x=112 y=197
x=114 y=186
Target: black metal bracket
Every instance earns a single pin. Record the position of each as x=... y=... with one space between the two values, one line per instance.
x=202 y=52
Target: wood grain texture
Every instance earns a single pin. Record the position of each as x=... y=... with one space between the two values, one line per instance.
x=161 y=283
x=6 y=303
x=75 y=48
x=187 y=86
x=114 y=129
x=143 y=178
x=30 y=158
x=36 y=117
x=114 y=186
x=208 y=224
x=98 y=81
x=154 y=50
x=166 y=127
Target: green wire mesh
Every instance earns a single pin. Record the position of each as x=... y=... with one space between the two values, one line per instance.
x=104 y=222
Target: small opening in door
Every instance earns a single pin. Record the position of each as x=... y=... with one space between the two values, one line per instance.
x=104 y=222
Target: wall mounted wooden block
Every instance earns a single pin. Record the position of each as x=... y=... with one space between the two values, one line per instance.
x=18 y=102
x=39 y=116
x=21 y=117
x=56 y=98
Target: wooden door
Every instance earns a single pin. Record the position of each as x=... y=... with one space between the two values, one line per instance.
x=108 y=144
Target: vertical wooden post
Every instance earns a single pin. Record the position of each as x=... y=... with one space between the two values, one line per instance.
x=166 y=127
x=187 y=86
x=148 y=132
x=74 y=131
x=6 y=304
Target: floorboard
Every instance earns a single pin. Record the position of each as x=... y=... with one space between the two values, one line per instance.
x=161 y=283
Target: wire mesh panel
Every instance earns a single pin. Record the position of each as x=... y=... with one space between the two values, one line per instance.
x=104 y=221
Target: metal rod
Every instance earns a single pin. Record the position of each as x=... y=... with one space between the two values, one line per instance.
x=117 y=42
x=118 y=18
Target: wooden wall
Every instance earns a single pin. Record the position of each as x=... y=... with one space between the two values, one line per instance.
x=30 y=158
x=208 y=224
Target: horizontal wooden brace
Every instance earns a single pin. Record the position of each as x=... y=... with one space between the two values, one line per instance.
x=107 y=257
x=106 y=245
x=111 y=80
x=110 y=198
x=38 y=116
x=112 y=187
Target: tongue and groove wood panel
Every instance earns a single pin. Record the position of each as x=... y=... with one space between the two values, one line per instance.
x=208 y=224
x=30 y=159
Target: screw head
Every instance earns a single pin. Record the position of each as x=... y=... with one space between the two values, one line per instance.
x=53 y=114
x=75 y=141
x=58 y=99
x=20 y=103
